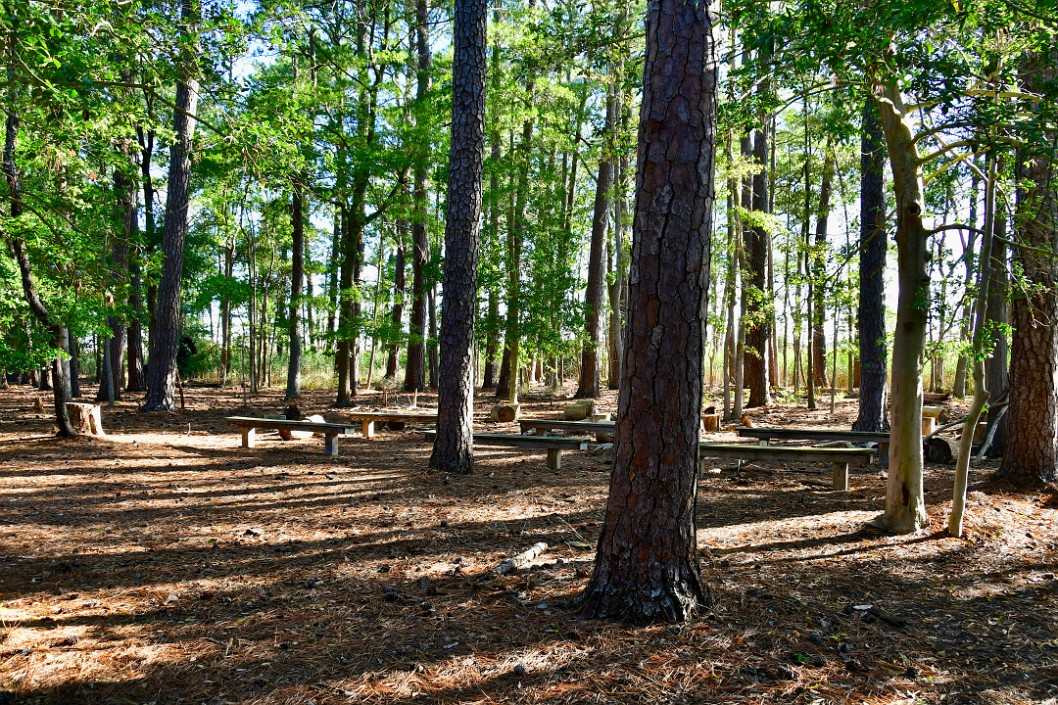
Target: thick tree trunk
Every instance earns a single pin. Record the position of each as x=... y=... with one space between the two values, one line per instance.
x=588 y=388
x=1031 y=455
x=874 y=366
x=905 y=507
x=297 y=277
x=161 y=387
x=617 y=289
x=646 y=565
x=453 y=449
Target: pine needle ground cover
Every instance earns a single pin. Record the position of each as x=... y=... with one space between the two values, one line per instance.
x=166 y=564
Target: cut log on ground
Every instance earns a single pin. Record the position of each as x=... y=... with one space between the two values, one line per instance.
x=939 y=413
x=711 y=422
x=580 y=410
x=504 y=413
x=940 y=450
x=521 y=559
x=86 y=418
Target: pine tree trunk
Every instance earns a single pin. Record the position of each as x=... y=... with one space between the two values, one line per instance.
x=161 y=387
x=1031 y=454
x=646 y=565
x=119 y=270
x=874 y=366
x=453 y=449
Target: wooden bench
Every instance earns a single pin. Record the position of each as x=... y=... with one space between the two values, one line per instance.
x=839 y=458
x=368 y=419
x=544 y=427
x=554 y=445
x=330 y=431
x=820 y=434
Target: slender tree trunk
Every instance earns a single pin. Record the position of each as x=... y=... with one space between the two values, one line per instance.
x=396 y=316
x=593 y=299
x=646 y=565
x=415 y=370
x=756 y=293
x=998 y=366
x=453 y=449
x=124 y=189
x=905 y=507
x=297 y=277
x=161 y=387
x=874 y=367
x=819 y=336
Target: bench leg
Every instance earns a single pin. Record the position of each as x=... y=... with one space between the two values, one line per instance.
x=883 y=454
x=248 y=435
x=367 y=429
x=554 y=459
x=330 y=444
x=841 y=476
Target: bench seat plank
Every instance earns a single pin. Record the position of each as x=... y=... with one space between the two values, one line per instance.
x=839 y=458
x=330 y=431
x=368 y=419
x=548 y=425
x=554 y=445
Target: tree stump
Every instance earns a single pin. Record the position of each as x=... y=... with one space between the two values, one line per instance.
x=929 y=425
x=711 y=422
x=86 y=418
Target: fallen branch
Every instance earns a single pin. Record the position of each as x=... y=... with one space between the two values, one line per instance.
x=521 y=559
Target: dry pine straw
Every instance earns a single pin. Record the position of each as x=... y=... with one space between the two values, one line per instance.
x=165 y=564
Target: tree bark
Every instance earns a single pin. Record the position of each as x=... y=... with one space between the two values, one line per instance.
x=1031 y=455
x=646 y=565
x=161 y=387
x=453 y=449
x=119 y=269
x=874 y=243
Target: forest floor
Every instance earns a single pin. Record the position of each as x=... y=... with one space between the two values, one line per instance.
x=166 y=564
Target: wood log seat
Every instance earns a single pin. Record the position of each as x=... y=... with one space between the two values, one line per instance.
x=368 y=419
x=602 y=430
x=329 y=431
x=554 y=445
x=820 y=434
x=839 y=458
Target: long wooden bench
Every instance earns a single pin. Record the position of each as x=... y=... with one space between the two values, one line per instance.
x=368 y=419
x=554 y=445
x=820 y=434
x=544 y=427
x=330 y=431
x=839 y=458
